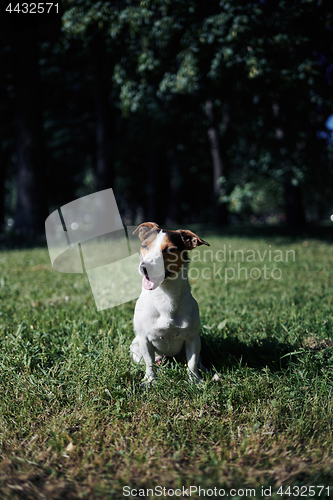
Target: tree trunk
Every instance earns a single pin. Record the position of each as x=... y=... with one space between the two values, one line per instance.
x=31 y=205
x=102 y=75
x=293 y=204
x=3 y=167
x=103 y=161
x=295 y=214
x=5 y=155
x=173 y=210
x=151 y=208
x=220 y=209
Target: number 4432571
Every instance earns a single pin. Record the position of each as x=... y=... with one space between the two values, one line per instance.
x=32 y=8
x=304 y=491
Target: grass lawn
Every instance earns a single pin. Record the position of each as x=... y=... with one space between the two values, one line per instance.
x=75 y=423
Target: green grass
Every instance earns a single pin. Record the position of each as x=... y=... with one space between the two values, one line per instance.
x=74 y=422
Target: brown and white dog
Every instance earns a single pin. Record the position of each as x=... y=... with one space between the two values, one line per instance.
x=166 y=315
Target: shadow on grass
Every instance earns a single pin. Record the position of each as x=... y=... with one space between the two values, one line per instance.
x=229 y=353
x=220 y=354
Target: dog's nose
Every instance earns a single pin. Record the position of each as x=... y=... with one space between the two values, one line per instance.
x=143 y=269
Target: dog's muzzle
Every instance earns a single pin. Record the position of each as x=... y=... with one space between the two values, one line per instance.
x=144 y=271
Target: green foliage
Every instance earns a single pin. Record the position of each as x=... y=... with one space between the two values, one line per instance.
x=264 y=63
x=259 y=197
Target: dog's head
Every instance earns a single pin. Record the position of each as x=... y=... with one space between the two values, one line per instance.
x=163 y=252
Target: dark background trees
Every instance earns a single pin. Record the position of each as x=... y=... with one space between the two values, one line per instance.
x=192 y=111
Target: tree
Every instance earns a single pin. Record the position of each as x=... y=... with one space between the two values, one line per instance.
x=20 y=57
x=180 y=106
x=31 y=208
x=229 y=55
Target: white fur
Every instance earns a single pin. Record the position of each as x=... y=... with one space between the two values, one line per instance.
x=155 y=252
x=165 y=319
x=153 y=261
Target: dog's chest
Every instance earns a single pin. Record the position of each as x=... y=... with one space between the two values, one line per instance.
x=159 y=319
x=164 y=326
x=166 y=323
x=168 y=334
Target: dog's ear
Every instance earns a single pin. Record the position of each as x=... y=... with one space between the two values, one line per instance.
x=144 y=228
x=191 y=240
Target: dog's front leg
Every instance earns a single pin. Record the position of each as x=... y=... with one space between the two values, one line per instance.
x=148 y=353
x=192 y=348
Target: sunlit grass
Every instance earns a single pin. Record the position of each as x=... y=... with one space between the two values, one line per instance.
x=74 y=422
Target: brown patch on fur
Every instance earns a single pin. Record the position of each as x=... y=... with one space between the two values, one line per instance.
x=173 y=251
x=148 y=240
x=144 y=228
x=191 y=240
x=173 y=261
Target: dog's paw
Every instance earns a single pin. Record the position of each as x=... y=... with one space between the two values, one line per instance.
x=195 y=378
x=147 y=382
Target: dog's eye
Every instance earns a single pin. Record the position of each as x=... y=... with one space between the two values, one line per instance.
x=144 y=247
